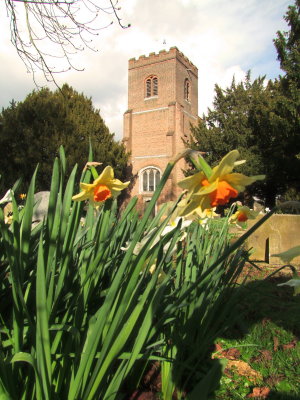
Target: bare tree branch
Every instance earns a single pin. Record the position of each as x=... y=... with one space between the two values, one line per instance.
x=47 y=33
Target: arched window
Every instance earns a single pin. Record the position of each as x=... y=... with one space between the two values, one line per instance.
x=151 y=86
x=150 y=178
x=187 y=90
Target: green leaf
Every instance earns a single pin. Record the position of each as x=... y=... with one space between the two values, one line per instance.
x=210 y=382
x=42 y=321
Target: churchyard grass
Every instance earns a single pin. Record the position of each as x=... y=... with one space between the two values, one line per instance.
x=262 y=348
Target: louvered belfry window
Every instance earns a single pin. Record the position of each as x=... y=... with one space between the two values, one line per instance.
x=155 y=86
x=152 y=86
x=187 y=90
x=148 y=87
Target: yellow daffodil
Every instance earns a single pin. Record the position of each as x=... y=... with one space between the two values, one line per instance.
x=242 y=215
x=217 y=189
x=104 y=187
x=22 y=196
x=206 y=214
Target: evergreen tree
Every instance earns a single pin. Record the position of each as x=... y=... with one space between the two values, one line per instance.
x=288 y=46
x=244 y=117
x=260 y=120
x=33 y=130
x=288 y=50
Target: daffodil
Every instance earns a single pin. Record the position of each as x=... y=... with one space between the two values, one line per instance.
x=207 y=213
x=242 y=215
x=204 y=216
x=218 y=188
x=104 y=187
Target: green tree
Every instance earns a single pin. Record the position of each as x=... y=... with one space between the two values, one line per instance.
x=33 y=130
x=261 y=120
x=244 y=117
x=288 y=53
x=288 y=46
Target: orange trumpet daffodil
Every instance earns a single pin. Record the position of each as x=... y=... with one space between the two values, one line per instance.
x=104 y=187
x=218 y=188
x=242 y=215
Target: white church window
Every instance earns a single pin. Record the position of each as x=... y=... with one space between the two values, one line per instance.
x=150 y=178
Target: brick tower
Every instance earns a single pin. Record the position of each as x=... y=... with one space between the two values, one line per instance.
x=162 y=102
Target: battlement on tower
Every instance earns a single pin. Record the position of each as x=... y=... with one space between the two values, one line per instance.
x=163 y=55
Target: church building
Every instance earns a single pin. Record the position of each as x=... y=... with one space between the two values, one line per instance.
x=162 y=103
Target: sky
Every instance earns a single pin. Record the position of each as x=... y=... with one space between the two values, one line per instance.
x=222 y=38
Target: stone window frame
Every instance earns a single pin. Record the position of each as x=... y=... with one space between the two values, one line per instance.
x=151 y=87
x=187 y=90
x=150 y=184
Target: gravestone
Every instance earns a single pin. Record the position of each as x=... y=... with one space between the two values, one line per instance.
x=41 y=200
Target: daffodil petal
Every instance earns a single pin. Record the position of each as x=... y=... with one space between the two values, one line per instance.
x=186 y=208
x=192 y=182
x=87 y=187
x=118 y=185
x=240 y=181
x=106 y=176
x=204 y=202
x=115 y=193
x=251 y=214
x=226 y=165
x=82 y=196
x=208 y=189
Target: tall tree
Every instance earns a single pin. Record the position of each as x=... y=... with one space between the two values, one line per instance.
x=261 y=120
x=288 y=46
x=33 y=130
x=288 y=53
x=244 y=117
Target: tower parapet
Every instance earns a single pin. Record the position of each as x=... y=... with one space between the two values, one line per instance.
x=163 y=55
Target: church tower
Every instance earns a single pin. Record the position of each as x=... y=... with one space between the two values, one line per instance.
x=162 y=103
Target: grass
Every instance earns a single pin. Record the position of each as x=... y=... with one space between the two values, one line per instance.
x=263 y=347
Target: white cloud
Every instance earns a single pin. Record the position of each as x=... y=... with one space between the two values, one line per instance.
x=221 y=38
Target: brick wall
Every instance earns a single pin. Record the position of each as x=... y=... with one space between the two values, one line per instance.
x=154 y=126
